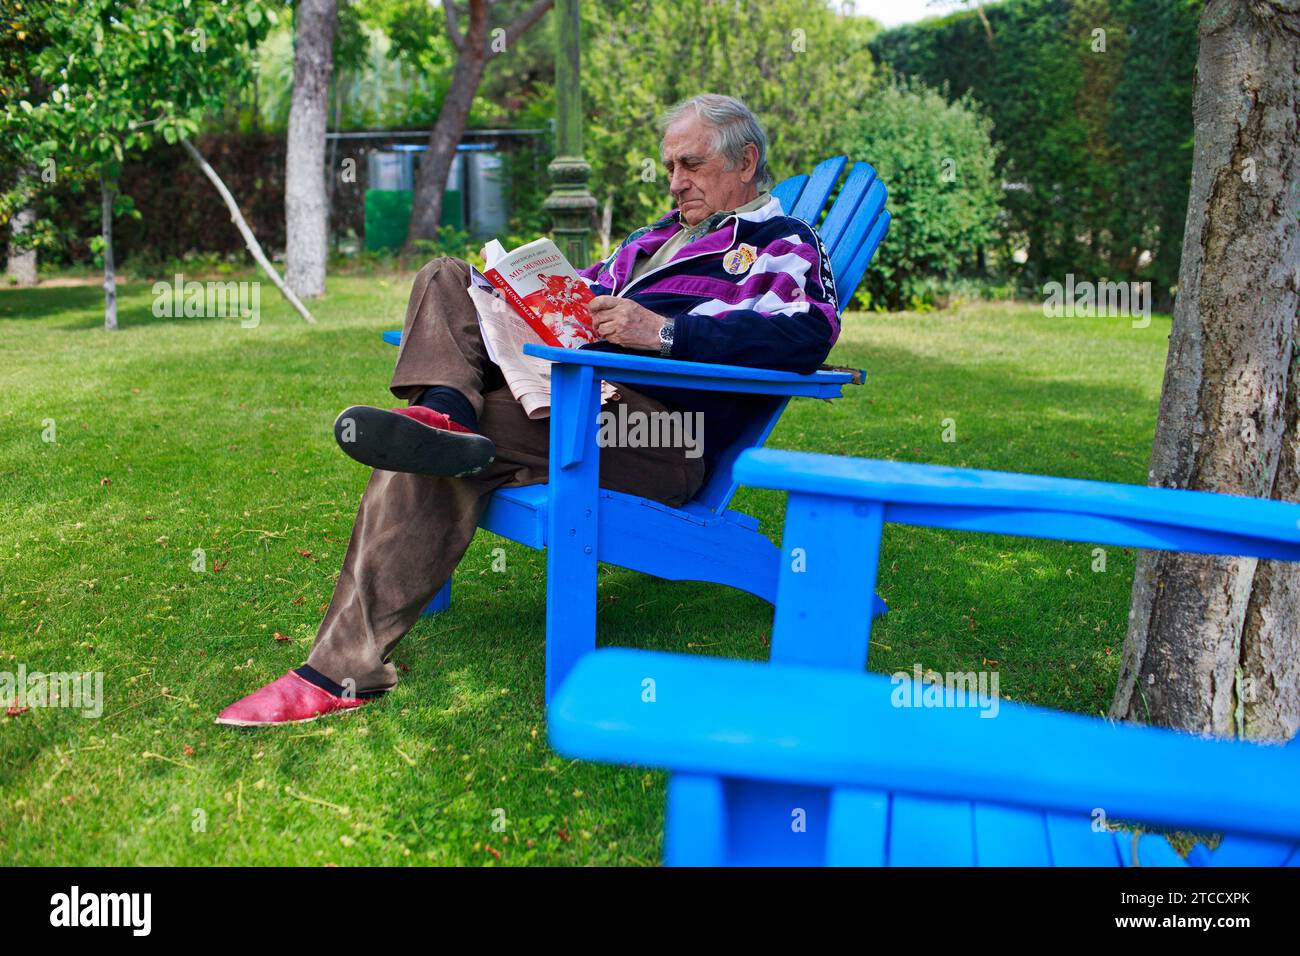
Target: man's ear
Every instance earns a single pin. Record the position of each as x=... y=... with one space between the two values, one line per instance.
x=751 y=163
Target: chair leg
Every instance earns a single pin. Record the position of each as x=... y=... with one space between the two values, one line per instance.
x=695 y=821
x=571 y=535
x=441 y=601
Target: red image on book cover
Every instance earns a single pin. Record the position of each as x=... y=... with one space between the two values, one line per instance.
x=543 y=288
x=561 y=304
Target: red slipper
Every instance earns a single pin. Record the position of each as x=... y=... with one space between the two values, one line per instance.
x=412 y=439
x=290 y=699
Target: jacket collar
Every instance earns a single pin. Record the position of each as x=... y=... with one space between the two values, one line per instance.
x=718 y=235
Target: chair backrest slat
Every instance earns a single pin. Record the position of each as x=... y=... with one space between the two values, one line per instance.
x=815 y=192
x=850 y=259
x=859 y=180
x=788 y=190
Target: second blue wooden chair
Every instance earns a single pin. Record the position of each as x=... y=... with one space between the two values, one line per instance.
x=806 y=759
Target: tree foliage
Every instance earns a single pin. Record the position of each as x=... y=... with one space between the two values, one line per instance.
x=798 y=65
x=1091 y=102
x=112 y=77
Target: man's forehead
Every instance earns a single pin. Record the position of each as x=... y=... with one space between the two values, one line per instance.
x=686 y=142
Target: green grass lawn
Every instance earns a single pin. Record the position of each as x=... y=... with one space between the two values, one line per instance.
x=181 y=434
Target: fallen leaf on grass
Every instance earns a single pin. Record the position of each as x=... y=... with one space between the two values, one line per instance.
x=14 y=711
x=282 y=637
x=298 y=600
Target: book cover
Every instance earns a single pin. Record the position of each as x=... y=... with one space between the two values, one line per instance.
x=547 y=292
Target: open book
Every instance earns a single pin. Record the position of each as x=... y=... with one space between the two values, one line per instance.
x=532 y=295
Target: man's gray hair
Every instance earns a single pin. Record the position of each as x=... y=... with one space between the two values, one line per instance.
x=735 y=127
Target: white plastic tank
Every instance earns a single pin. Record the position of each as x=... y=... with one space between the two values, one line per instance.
x=485 y=181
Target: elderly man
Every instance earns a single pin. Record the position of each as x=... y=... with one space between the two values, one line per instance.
x=724 y=277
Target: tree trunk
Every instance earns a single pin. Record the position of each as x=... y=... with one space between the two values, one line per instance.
x=306 y=201
x=1212 y=643
x=435 y=165
x=21 y=267
x=473 y=54
x=107 y=192
x=22 y=262
x=250 y=241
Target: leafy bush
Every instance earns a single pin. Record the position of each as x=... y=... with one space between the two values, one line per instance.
x=937 y=160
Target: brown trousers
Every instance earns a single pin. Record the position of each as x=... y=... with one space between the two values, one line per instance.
x=412 y=530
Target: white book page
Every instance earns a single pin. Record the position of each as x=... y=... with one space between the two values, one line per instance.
x=505 y=333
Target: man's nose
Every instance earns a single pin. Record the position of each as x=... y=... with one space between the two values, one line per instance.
x=679 y=182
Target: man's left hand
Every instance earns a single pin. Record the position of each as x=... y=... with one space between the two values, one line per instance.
x=625 y=323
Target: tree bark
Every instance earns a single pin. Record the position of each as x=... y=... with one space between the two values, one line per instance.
x=250 y=241
x=1212 y=641
x=474 y=53
x=21 y=267
x=306 y=198
x=107 y=192
x=21 y=263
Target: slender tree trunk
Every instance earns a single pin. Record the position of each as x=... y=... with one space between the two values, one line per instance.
x=107 y=192
x=1213 y=643
x=435 y=165
x=250 y=241
x=22 y=262
x=473 y=54
x=306 y=199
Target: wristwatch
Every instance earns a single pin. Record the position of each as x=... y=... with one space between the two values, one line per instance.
x=666 y=338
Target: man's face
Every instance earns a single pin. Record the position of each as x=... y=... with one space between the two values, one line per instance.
x=699 y=178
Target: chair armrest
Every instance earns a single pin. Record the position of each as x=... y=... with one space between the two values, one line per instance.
x=1037 y=506
x=825 y=727
x=704 y=376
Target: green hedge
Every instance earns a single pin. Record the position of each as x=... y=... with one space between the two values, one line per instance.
x=1097 y=144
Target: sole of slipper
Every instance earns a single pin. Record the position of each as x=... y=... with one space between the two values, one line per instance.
x=228 y=722
x=391 y=442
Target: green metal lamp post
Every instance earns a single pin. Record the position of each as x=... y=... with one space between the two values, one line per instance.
x=570 y=203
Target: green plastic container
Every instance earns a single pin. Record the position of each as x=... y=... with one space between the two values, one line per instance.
x=388 y=214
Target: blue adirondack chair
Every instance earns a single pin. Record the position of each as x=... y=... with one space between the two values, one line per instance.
x=873 y=779
x=579 y=523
